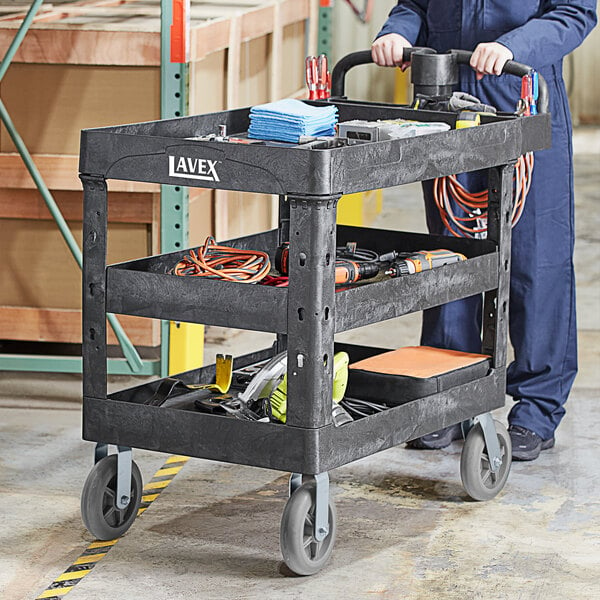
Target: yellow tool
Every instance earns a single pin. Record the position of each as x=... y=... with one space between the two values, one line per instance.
x=223 y=376
x=467 y=118
x=278 y=398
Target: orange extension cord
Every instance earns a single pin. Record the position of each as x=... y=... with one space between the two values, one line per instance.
x=475 y=204
x=224 y=262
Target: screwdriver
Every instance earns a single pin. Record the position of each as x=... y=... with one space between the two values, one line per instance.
x=312 y=75
x=322 y=76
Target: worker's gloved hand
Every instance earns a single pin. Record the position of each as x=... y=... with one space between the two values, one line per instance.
x=387 y=51
x=489 y=58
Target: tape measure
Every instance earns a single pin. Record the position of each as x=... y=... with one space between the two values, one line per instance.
x=467 y=118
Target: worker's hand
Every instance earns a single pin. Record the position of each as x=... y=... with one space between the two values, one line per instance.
x=387 y=50
x=489 y=58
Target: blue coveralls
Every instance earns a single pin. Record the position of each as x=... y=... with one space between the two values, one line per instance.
x=542 y=322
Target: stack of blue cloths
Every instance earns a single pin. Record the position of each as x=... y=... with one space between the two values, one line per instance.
x=287 y=120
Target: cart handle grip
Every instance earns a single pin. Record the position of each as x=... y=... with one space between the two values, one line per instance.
x=512 y=67
x=363 y=57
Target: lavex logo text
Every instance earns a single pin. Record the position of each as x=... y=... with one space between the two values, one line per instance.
x=193 y=168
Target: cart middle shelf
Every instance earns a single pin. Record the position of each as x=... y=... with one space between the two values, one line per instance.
x=147 y=287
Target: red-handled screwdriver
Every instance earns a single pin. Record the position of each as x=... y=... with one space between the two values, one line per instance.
x=322 y=77
x=311 y=77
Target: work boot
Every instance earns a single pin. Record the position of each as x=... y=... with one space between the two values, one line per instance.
x=526 y=444
x=437 y=439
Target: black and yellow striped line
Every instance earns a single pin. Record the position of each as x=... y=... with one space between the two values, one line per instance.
x=97 y=550
x=162 y=478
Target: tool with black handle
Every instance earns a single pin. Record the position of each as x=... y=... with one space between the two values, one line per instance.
x=432 y=73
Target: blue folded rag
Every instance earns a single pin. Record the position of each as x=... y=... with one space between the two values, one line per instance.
x=287 y=120
x=294 y=109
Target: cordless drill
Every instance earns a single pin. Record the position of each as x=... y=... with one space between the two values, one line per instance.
x=346 y=271
x=423 y=261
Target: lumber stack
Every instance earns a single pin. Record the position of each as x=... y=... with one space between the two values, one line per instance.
x=96 y=63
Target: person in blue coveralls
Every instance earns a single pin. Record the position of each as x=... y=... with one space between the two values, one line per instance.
x=542 y=322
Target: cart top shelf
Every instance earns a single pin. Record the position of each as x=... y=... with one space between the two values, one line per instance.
x=166 y=152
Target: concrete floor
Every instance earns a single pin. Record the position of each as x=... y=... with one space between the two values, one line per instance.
x=405 y=526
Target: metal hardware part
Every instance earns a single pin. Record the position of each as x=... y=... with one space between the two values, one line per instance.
x=321 y=506
x=124 y=459
x=321 y=524
x=491 y=440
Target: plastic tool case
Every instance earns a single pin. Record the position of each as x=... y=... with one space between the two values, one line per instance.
x=306 y=315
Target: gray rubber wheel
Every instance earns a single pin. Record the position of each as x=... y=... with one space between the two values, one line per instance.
x=99 y=510
x=478 y=479
x=301 y=552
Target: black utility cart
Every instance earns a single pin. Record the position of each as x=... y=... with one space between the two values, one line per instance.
x=309 y=180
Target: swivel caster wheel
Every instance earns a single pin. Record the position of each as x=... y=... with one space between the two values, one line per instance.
x=302 y=553
x=99 y=510
x=479 y=479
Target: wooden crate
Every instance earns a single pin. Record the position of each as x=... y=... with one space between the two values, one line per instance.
x=97 y=63
x=40 y=283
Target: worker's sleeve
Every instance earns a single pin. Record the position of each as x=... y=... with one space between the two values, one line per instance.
x=548 y=38
x=406 y=19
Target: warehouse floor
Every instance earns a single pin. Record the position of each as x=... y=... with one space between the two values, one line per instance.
x=405 y=526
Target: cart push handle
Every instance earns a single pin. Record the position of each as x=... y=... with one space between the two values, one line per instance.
x=443 y=63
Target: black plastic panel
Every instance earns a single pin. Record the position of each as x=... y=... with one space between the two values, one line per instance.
x=146 y=288
x=151 y=151
x=184 y=430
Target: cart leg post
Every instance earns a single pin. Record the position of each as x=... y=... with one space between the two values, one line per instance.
x=495 y=308
x=491 y=440
x=95 y=202
x=311 y=311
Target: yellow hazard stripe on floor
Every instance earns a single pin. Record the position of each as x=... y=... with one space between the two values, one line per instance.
x=57 y=593
x=157 y=485
x=70 y=576
x=149 y=497
x=90 y=558
x=175 y=458
x=102 y=544
x=170 y=471
x=65 y=582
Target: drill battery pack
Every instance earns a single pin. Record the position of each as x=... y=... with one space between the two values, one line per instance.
x=399 y=376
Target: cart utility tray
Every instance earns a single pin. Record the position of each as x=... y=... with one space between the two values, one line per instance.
x=169 y=152
x=402 y=375
x=178 y=427
x=146 y=287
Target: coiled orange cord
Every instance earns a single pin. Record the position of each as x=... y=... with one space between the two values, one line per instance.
x=224 y=262
x=474 y=205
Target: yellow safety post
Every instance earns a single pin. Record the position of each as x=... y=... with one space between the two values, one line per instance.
x=186 y=346
x=402 y=87
x=359 y=209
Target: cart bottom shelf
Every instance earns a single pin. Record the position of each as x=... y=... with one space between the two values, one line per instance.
x=179 y=428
